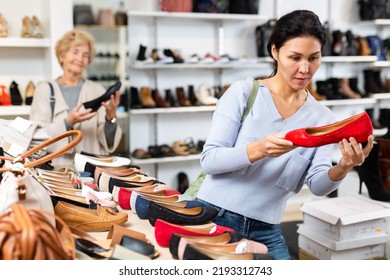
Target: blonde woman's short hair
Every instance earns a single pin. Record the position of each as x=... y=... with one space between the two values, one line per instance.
x=73 y=39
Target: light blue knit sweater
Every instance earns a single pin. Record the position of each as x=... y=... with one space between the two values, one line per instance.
x=260 y=190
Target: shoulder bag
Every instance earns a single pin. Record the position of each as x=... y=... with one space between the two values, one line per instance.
x=19 y=186
x=27 y=234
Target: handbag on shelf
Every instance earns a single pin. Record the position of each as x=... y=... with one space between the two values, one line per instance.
x=211 y=6
x=18 y=186
x=244 y=6
x=27 y=234
x=263 y=33
x=176 y=5
x=106 y=18
x=82 y=14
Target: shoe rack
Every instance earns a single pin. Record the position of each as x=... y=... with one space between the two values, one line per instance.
x=26 y=59
x=111 y=54
x=155 y=124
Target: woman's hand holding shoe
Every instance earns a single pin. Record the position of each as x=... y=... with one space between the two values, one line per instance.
x=76 y=115
x=352 y=155
x=272 y=145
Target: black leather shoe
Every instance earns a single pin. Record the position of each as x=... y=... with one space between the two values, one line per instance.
x=180 y=215
x=96 y=103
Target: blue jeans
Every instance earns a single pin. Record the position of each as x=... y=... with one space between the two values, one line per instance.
x=268 y=234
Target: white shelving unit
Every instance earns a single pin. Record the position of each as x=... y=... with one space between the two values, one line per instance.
x=112 y=40
x=153 y=120
x=31 y=59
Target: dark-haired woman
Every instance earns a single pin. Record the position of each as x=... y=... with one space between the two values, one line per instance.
x=252 y=170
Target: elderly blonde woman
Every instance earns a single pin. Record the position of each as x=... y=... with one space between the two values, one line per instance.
x=61 y=108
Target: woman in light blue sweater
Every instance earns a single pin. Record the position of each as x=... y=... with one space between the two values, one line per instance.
x=252 y=170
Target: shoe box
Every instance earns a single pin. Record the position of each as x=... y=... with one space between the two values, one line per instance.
x=346 y=227
x=304 y=255
x=325 y=248
x=386 y=205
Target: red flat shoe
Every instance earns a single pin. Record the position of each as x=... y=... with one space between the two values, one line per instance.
x=163 y=231
x=358 y=126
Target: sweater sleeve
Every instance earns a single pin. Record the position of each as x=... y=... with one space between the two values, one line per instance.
x=220 y=154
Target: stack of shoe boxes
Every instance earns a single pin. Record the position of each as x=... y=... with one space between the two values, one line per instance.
x=343 y=228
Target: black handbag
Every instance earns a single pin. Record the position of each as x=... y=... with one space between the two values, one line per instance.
x=263 y=33
x=244 y=6
x=82 y=14
x=211 y=6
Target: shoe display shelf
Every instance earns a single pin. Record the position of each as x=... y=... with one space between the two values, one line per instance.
x=26 y=59
x=187 y=121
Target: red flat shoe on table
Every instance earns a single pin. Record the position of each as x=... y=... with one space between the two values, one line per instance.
x=358 y=126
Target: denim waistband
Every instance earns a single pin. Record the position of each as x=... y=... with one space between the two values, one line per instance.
x=222 y=211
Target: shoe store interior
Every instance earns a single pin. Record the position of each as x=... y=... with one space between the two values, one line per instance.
x=145 y=80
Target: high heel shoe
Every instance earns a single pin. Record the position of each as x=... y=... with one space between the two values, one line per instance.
x=370 y=174
x=358 y=126
x=96 y=103
x=30 y=89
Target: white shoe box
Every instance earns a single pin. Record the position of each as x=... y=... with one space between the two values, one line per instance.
x=346 y=218
x=325 y=248
x=386 y=205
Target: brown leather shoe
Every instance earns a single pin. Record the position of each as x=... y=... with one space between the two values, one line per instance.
x=100 y=219
x=146 y=98
x=180 y=95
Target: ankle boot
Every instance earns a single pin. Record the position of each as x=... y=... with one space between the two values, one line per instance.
x=124 y=100
x=336 y=92
x=180 y=95
x=370 y=83
x=169 y=98
x=16 y=98
x=346 y=89
x=29 y=93
x=146 y=98
x=378 y=80
x=160 y=102
x=353 y=84
x=135 y=103
x=370 y=174
x=141 y=56
x=314 y=93
x=192 y=97
x=375 y=123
